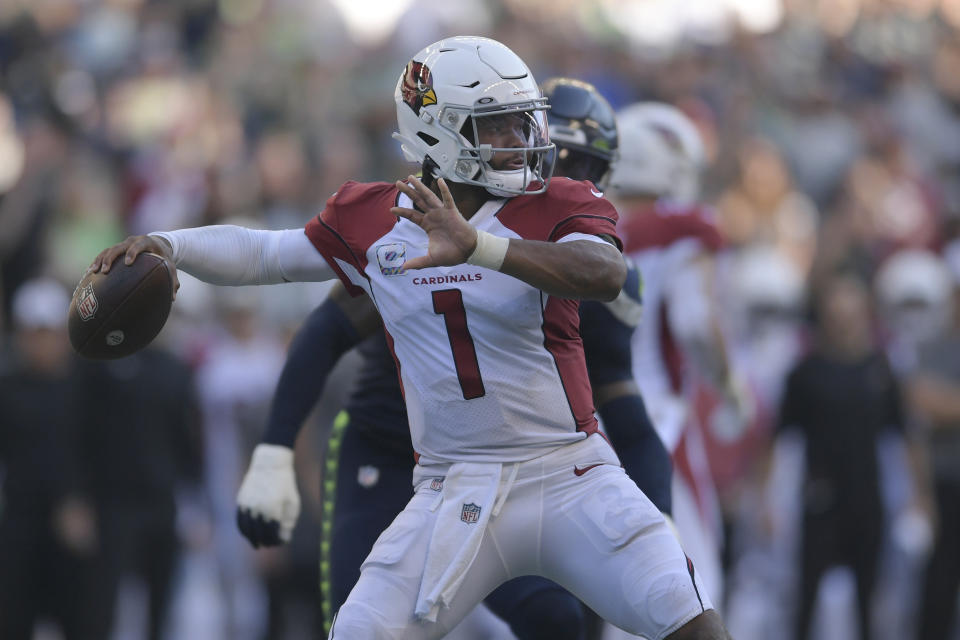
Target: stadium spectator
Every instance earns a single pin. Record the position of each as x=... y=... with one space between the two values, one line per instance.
x=934 y=390
x=234 y=383
x=841 y=398
x=50 y=535
x=142 y=451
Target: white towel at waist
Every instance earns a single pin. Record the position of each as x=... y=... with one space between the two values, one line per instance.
x=469 y=493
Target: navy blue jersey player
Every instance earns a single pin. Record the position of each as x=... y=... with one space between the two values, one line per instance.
x=369 y=454
x=583 y=127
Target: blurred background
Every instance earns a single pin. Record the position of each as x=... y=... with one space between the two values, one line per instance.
x=832 y=130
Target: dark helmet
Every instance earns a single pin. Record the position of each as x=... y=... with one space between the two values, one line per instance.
x=584 y=128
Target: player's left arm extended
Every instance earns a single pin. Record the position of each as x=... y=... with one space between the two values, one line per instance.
x=228 y=255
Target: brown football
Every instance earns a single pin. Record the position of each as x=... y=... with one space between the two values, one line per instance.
x=118 y=313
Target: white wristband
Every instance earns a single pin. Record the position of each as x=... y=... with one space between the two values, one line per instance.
x=490 y=251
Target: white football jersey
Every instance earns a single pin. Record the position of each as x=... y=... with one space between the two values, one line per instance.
x=663 y=242
x=492 y=369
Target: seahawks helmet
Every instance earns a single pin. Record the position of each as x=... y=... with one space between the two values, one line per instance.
x=583 y=126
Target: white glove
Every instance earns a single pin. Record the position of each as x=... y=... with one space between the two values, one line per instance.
x=268 y=503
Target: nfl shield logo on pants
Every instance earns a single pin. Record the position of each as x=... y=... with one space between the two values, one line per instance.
x=470 y=513
x=368 y=476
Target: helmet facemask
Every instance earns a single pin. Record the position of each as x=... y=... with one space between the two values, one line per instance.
x=502 y=170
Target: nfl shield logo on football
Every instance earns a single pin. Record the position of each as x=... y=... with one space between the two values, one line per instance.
x=436 y=484
x=391 y=257
x=368 y=476
x=470 y=513
x=87 y=304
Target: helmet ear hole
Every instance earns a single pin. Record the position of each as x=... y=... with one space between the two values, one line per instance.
x=428 y=170
x=467 y=130
x=426 y=137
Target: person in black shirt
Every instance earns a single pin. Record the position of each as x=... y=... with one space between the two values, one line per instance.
x=143 y=446
x=93 y=455
x=48 y=527
x=841 y=397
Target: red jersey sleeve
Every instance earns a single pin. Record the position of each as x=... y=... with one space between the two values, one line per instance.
x=699 y=224
x=351 y=221
x=568 y=206
x=656 y=228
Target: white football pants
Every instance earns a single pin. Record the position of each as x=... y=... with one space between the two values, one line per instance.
x=572 y=516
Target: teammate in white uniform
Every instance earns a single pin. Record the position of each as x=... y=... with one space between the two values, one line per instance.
x=478 y=297
x=673 y=241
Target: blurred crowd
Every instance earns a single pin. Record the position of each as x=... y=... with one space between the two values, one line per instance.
x=833 y=144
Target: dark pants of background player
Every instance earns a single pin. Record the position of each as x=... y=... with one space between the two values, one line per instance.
x=938 y=609
x=40 y=578
x=839 y=537
x=366 y=484
x=140 y=541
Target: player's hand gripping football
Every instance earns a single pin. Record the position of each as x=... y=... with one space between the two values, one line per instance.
x=130 y=249
x=452 y=238
x=268 y=503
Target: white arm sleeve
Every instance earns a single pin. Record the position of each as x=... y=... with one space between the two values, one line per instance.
x=232 y=255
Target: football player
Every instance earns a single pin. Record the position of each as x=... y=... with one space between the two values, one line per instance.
x=673 y=240
x=476 y=273
x=369 y=456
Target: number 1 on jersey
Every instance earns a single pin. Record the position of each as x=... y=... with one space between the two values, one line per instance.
x=449 y=304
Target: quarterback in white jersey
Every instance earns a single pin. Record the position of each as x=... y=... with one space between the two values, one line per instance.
x=476 y=275
x=467 y=333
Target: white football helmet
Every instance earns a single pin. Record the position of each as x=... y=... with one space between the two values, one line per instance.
x=661 y=154
x=763 y=278
x=914 y=287
x=451 y=85
x=767 y=291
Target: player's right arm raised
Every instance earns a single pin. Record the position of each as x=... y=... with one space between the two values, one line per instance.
x=580 y=269
x=588 y=269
